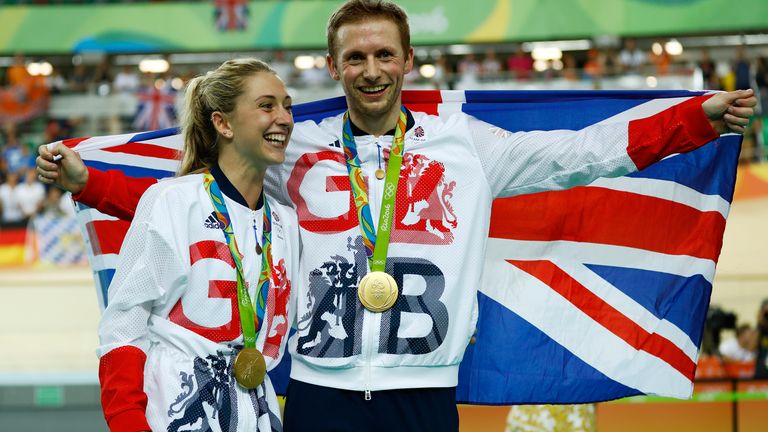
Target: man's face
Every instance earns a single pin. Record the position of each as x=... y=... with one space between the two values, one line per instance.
x=371 y=64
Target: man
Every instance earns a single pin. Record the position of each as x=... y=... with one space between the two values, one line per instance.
x=761 y=365
x=367 y=356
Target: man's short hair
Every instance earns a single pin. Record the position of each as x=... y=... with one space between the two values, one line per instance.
x=355 y=11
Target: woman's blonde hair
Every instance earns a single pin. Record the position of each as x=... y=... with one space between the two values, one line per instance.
x=216 y=91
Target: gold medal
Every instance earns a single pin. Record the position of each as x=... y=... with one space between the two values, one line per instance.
x=380 y=173
x=249 y=368
x=377 y=291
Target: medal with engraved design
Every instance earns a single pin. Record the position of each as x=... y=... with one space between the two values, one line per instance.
x=249 y=368
x=377 y=291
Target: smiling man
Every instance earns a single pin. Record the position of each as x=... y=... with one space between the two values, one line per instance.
x=387 y=305
x=370 y=58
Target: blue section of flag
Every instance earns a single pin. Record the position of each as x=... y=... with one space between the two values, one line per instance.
x=105 y=278
x=280 y=374
x=513 y=360
x=129 y=170
x=146 y=136
x=699 y=169
x=522 y=110
x=683 y=301
x=317 y=111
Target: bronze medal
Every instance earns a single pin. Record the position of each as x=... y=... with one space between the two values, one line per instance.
x=249 y=368
x=377 y=291
x=380 y=174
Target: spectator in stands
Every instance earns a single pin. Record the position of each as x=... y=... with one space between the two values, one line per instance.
x=11 y=215
x=283 y=68
x=80 y=79
x=490 y=68
x=761 y=365
x=30 y=195
x=570 y=68
x=469 y=70
x=17 y=74
x=761 y=82
x=58 y=203
x=741 y=347
x=594 y=67
x=742 y=70
x=102 y=78
x=610 y=61
x=315 y=77
x=708 y=71
x=520 y=64
x=660 y=58
x=126 y=81
x=631 y=58
x=761 y=85
x=56 y=82
x=443 y=79
x=12 y=153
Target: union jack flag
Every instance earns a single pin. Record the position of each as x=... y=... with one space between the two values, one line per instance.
x=156 y=109
x=231 y=15
x=589 y=294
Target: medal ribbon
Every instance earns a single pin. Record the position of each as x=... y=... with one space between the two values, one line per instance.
x=251 y=327
x=376 y=245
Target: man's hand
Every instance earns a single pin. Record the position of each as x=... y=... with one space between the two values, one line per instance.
x=68 y=172
x=730 y=111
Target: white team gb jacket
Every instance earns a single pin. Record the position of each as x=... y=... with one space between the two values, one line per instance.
x=172 y=323
x=453 y=168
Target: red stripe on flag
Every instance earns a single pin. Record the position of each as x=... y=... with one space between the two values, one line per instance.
x=144 y=149
x=12 y=236
x=73 y=141
x=425 y=101
x=605 y=216
x=607 y=316
x=107 y=235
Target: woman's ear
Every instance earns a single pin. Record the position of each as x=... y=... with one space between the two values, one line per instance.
x=221 y=124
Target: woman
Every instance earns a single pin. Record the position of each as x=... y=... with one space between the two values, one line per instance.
x=198 y=309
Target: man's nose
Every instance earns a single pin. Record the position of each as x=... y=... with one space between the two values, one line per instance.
x=372 y=70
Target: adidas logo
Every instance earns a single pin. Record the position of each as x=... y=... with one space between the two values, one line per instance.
x=212 y=222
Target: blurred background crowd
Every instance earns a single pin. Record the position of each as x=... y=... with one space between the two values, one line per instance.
x=48 y=98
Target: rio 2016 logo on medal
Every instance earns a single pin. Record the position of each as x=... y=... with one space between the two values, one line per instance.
x=377 y=291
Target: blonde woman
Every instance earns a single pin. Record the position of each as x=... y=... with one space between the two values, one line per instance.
x=199 y=306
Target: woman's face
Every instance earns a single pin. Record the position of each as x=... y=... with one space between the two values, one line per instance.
x=261 y=122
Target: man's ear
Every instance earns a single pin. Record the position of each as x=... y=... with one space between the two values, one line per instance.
x=409 y=61
x=332 y=70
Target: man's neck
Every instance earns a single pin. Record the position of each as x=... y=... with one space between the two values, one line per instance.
x=376 y=125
